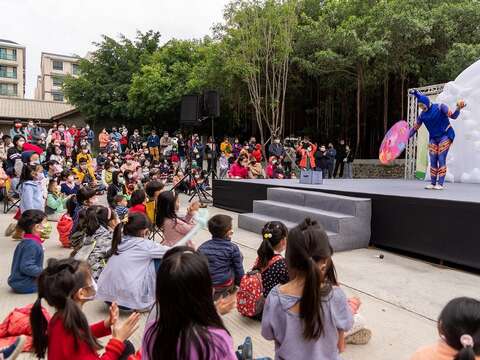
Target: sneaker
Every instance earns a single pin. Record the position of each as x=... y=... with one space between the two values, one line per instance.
x=430 y=187
x=11 y=352
x=439 y=187
x=361 y=337
x=10 y=229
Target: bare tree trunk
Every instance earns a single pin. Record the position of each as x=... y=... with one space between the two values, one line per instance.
x=385 y=104
x=359 y=99
x=402 y=87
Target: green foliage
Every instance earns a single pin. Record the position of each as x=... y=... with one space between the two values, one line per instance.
x=101 y=90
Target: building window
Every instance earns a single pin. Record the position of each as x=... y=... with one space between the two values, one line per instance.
x=57 y=96
x=75 y=69
x=57 y=81
x=57 y=65
x=8 y=54
x=8 y=89
x=8 y=72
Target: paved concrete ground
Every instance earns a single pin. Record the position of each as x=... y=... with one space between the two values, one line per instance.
x=401 y=296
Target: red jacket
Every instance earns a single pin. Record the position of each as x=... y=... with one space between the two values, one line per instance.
x=140 y=208
x=64 y=227
x=306 y=154
x=257 y=153
x=61 y=344
x=18 y=323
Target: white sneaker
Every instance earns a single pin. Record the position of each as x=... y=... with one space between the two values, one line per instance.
x=430 y=187
x=439 y=187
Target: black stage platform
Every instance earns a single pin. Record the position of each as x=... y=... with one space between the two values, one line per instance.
x=443 y=225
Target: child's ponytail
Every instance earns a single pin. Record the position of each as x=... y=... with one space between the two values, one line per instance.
x=116 y=239
x=39 y=325
x=466 y=353
x=307 y=246
x=272 y=233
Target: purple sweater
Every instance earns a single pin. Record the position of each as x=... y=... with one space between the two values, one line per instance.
x=285 y=327
x=221 y=345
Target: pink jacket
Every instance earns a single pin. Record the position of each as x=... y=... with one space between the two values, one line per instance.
x=175 y=229
x=67 y=138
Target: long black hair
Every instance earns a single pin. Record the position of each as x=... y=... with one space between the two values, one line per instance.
x=185 y=309
x=461 y=316
x=136 y=223
x=95 y=216
x=84 y=194
x=30 y=218
x=57 y=283
x=27 y=174
x=166 y=207
x=272 y=233
x=308 y=245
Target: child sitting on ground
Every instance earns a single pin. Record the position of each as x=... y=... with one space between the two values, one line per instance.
x=137 y=202
x=185 y=327
x=174 y=227
x=459 y=330
x=121 y=206
x=65 y=224
x=67 y=285
x=308 y=310
x=224 y=257
x=27 y=263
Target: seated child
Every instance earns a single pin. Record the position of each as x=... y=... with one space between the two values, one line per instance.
x=459 y=331
x=308 y=310
x=67 y=285
x=56 y=201
x=121 y=208
x=185 y=326
x=65 y=224
x=27 y=263
x=137 y=202
x=174 y=227
x=224 y=257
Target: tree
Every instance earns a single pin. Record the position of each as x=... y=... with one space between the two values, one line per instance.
x=101 y=90
x=173 y=71
x=259 y=37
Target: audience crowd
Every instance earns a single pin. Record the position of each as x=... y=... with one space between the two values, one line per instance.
x=133 y=252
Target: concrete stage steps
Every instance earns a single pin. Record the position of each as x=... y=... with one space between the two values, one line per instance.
x=346 y=219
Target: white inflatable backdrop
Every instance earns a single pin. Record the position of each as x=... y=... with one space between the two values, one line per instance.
x=463 y=161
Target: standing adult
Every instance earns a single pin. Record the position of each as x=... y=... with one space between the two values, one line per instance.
x=103 y=139
x=38 y=134
x=124 y=139
x=340 y=164
x=17 y=129
x=211 y=152
x=115 y=137
x=90 y=136
x=307 y=152
x=153 y=143
x=182 y=149
x=64 y=139
x=321 y=161
x=197 y=151
x=349 y=157
x=331 y=155
x=135 y=141
x=276 y=148
x=165 y=142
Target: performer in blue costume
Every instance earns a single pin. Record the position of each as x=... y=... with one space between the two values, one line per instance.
x=436 y=120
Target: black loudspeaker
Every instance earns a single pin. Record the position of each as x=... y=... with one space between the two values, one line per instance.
x=191 y=110
x=211 y=101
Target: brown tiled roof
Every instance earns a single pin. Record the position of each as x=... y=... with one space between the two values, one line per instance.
x=15 y=108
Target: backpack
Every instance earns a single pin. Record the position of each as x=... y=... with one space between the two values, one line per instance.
x=250 y=299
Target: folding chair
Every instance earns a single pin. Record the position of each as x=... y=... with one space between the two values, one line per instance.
x=9 y=202
x=151 y=214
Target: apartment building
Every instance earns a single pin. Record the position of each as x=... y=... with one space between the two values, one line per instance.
x=53 y=69
x=12 y=69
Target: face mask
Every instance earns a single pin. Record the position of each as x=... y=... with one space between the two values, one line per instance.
x=94 y=288
x=18 y=126
x=30 y=125
x=121 y=181
x=309 y=148
x=135 y=133
x=83 y=167
x=277 y=141
x=274 y=162
x=129 y=176
x=61 y=129
x=35 y=162
x=87 y=127
x=322 y=149
x=70 y=179
x=85 y=151
x=145 y=152
x=58 y=152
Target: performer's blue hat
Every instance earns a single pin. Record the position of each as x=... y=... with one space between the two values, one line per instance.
x=421 y=98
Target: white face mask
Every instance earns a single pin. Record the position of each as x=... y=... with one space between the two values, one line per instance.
x=94 y=287
x=309 y=148
x=61 y=129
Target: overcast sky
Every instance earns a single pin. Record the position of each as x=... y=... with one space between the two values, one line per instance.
x=70 y=27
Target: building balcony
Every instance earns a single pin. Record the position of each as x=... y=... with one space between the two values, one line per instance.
x=7 y=93
x=10 y=57
x=8 y=62
x=8 y=74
